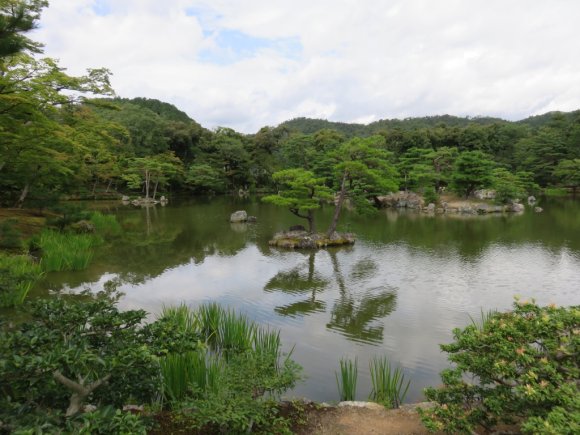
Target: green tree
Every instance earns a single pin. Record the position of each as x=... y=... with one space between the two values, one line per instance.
x=508 y=186
x=364 y=169
x=568 y=173
x=301 y=192
x=472 y=170
x=16 y=18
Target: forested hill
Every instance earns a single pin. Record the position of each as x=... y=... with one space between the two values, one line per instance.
x=165 y=110
x=310 y=125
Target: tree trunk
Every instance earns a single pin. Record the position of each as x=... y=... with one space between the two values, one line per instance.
x=155 y=190
x=311 y=225
x=147 y=180
x=80 y=391
x=109 y=185
x=95 y=187
x=338 y=206
x=23 y=195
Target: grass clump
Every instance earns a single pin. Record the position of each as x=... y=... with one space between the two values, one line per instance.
x=233 y=375
x=18 y=273
x=66 y=251
x=389 y=386
x=106 y=226
x=347 y=381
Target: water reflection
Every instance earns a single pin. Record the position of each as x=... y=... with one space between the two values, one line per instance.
x=357 y=313
x=398 y=291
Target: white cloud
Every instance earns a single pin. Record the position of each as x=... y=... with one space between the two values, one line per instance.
x=250 y=63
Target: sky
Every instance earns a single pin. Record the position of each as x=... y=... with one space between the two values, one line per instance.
x=245 y=64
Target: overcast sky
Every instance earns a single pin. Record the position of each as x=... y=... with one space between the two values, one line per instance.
x=249 y=63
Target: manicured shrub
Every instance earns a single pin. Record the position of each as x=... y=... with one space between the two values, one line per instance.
x=519 y=367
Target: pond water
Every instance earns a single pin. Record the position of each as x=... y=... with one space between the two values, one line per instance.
x=399 y=291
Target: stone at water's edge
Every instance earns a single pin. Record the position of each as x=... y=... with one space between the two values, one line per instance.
x=304 y=240
x=239 y=216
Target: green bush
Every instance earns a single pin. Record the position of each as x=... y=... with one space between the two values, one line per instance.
x=18 y=273
x=523 y=367
x=430 y=195
x=73 y=351
x=10 y=237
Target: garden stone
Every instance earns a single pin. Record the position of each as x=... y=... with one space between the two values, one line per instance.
x=239 y=216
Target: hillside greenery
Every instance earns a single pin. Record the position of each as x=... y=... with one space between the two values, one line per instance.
x=70 y=136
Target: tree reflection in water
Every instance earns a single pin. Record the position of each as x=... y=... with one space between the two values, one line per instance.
x=356 y=313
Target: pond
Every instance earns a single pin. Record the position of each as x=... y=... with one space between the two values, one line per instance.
x=399 y=291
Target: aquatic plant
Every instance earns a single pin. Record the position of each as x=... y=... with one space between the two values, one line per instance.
x=106 y=226
x=189 y=374
x=348 y=377
x=18 y=273
x=389 y=386
x=66 y=251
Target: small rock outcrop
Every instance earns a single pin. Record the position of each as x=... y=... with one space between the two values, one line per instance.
x=484 y=194
x=538 y=209
x=239 y=216
x=531 y=200
x=252 y=219
x=305 y=240
x=409 y=200
x=516 y=207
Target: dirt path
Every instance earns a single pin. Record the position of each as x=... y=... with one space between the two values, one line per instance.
x=355 y=420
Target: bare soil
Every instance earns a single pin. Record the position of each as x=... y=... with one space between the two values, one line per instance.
x=349 y=420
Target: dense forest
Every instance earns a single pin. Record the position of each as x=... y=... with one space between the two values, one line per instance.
x=64 y=136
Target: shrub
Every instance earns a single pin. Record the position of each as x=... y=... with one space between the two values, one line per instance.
x=74 y=349
x=525 y=369
x=430 y=195
x=10 y=237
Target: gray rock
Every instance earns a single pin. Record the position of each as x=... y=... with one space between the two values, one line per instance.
x=484 y=194
x=516 y=207
x=431 y=208
x=252 y=219
x=239 y=216
x=125 y=198
x=538 y=209
x=368 y=405
x=531 y=200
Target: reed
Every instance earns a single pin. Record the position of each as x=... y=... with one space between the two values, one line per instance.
x=485 y=316
x=389 y=386
x=348 y=377
x=182 y=316
x=236 y=334
x=106 y=226
x=66 y=251
x=267 y=346
x=18 y=273
x=210 y=318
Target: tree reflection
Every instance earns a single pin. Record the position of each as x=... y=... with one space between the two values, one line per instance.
x=299 y=281
x=356 y=315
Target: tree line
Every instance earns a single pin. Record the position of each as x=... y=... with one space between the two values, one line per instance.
x=68 y=135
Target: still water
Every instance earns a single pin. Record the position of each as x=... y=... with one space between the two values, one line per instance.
x=399 y=291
